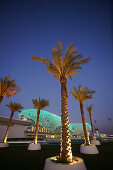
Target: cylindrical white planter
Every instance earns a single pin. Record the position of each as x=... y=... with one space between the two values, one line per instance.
x=89 y=149
x=95 y=142
x=33 y=146
x=77 y=165
x=4 y=145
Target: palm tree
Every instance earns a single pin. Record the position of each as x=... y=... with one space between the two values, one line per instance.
x=83 y=94
x=39 y=105
x=64 y=66
x=89 y=109
x=8 y=87
x=13 y=107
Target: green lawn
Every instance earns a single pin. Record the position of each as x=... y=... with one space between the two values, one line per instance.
x=16 y=156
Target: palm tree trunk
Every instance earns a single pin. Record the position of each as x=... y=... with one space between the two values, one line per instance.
x=65 y=150
x=92 y=126
x=86 y=136
x=1 y=98
x=8 y=127
x=36 y=130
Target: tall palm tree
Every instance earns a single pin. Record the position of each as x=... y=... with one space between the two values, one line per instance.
x=13 y=107
x=83 y=94
x=8 y=87
x=64 y=66
x=89 y=109
x=39 y=105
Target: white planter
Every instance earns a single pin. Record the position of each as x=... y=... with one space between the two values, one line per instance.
x=4 y=145
x=77 y=165
x=95 y=142
x=33 y=146
x=89 y=149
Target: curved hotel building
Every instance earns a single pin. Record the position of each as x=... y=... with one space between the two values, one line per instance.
x=49 y=124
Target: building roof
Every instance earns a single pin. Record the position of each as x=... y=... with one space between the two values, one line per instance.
x=50 y=121
x=15 y=121
x=46 y=119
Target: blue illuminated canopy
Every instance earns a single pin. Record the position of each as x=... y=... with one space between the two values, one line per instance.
x=51 y=121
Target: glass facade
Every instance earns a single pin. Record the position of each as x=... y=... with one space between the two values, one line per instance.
x=50 y=123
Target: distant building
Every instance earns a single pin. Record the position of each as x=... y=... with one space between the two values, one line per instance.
x=49 y=124
x=17 y=128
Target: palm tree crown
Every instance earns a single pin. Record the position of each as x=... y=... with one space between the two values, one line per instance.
x=14 y=107
x=8 y=87
x=63 y=66
x=82 y=94
x=40 y=104
x=90 y=108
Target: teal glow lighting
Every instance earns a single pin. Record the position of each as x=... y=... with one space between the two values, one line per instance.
x=46 y=119
x=77 y=128
x=51 y=121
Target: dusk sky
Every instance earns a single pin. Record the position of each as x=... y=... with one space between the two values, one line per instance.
x=33 y=27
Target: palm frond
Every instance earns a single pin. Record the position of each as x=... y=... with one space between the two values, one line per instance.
x=74 y=93
x=14 y=107
x=8 y=87
x=60 y=49
x=40 y=103
x=90 y=108
x=43 y=60
x=54 y=70
x=69 y=48
x=82 y=94
x=63 y=66
x=69 y=61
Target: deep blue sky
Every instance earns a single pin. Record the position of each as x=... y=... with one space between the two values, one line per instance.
x=33 y=27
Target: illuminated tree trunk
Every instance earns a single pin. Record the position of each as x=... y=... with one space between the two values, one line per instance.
x=36 y=129
x=86 y=136
x=8 y=127
x=92 y=126
x=65 y=150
